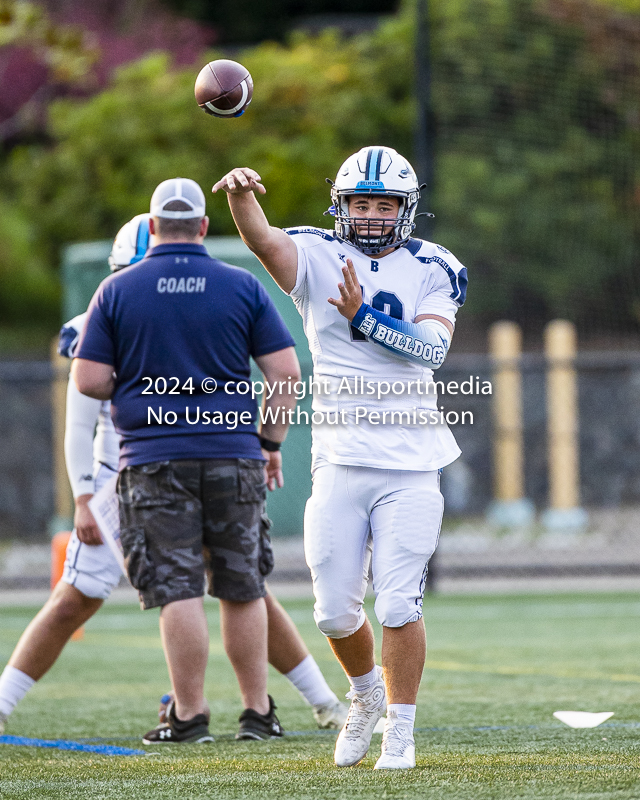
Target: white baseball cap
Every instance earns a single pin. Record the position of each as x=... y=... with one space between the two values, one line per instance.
x=183 y=189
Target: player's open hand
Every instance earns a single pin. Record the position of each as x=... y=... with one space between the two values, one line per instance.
x=273 y=469
x=84 y=522
x=241 y=180
x=350 y=293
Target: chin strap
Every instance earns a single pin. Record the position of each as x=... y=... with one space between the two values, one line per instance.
x=425 y=342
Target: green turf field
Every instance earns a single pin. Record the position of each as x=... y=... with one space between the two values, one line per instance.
x=498 y=668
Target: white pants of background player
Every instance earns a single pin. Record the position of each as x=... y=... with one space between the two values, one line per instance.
x=356 y=516
x=91 y=568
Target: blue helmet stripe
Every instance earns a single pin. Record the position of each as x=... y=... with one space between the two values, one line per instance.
x=367 y=169
x=373 y=164
x=378 y=164
x=142 y=241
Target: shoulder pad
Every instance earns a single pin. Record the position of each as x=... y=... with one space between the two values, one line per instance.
x=413 y=246
x=456 y=273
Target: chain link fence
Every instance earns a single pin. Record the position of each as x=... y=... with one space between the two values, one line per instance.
x=472 y=547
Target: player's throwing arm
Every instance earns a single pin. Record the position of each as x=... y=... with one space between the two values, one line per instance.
x=271 y=245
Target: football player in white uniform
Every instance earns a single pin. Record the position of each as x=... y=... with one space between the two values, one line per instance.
x=375 y=463
x=91 y=571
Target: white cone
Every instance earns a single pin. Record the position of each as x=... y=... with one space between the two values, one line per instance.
x=582 y=719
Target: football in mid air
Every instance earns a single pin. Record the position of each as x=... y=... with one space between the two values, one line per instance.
x=224 y=88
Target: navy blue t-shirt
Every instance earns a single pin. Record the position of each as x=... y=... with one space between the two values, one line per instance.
x=180 y=316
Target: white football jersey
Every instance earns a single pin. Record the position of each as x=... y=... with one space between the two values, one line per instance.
x=418 y=278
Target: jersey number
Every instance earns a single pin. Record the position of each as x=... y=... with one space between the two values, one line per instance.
x=387 y=302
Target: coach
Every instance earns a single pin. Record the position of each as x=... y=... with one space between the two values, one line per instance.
x=158 y=341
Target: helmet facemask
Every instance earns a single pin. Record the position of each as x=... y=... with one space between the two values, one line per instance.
x=375 y=172
x=374 y=235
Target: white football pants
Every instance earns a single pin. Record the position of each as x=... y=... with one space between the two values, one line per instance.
x=358 y=515
x=92 y=569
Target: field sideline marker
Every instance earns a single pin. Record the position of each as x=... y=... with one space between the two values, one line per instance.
x=64 y=744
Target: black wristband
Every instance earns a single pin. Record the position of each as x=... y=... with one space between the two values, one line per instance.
x=268 y=445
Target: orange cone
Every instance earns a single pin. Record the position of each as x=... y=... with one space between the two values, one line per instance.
x=58 y=554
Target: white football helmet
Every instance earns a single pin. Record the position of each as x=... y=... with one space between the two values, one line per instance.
x=131 y=243
x=375 y=171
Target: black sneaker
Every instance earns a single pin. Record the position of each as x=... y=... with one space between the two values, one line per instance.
x=161 y=734
x=194 y=730
x=260 y=726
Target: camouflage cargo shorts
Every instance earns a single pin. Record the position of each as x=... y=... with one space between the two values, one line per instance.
x=182 y=520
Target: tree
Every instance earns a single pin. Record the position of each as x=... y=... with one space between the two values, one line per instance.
x=309 y=111
x=537 y=165
x=536 y=174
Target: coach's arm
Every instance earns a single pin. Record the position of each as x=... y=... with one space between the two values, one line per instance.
x=273 y=246
x=280 y=369
x=93 y=378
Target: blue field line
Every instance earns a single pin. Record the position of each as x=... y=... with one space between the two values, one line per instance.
x=64 y=744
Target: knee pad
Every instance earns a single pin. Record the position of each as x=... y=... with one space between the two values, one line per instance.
x=341 y=625
x=395 y=610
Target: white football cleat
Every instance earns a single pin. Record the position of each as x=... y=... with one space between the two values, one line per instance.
x=398 y=747
x=331 y=716
x=365 y=711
